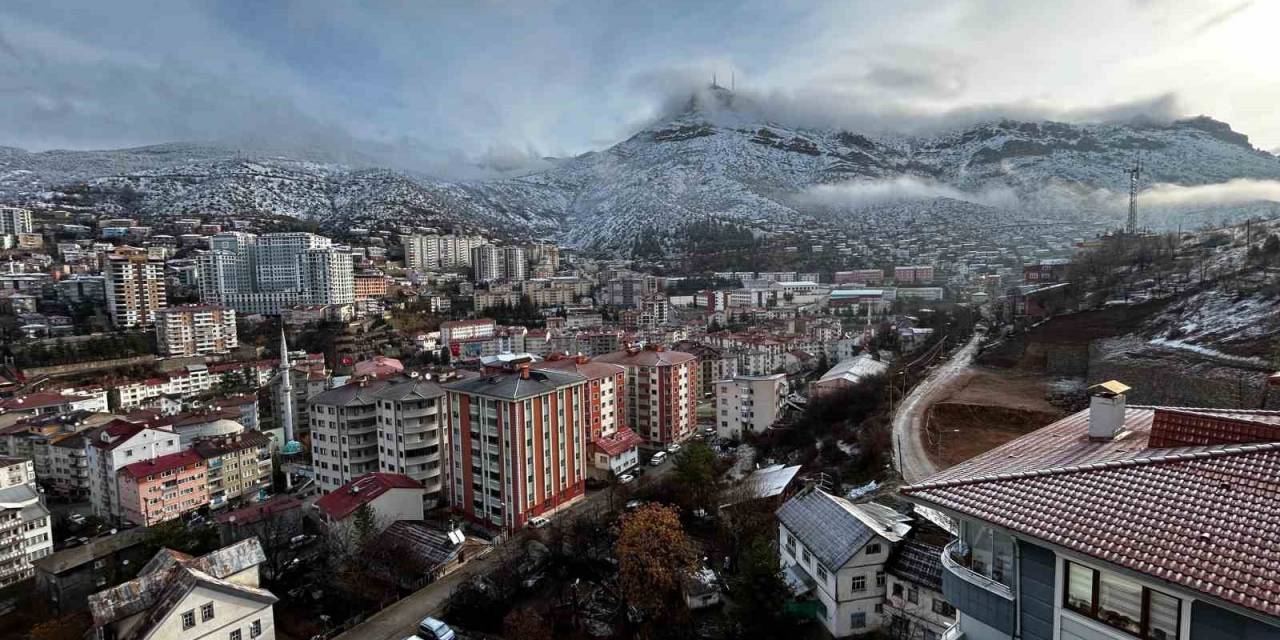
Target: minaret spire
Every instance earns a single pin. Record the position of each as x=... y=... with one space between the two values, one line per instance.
x=290 y=446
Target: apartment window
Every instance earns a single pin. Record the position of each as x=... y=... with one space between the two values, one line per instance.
x=858 y=620
x=879 y=578
x=858 y=583
x=188 y=619
x=913 y=595
x=235 y=635
x=255 y=629
x=944 y=608
x=873 y=548
x=822 y=573
x=1121 y=603
x=879 y=608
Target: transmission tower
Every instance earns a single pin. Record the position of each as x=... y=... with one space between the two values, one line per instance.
x=1135 y=173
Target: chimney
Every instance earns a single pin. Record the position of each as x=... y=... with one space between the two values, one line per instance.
x=581 y=359
x=1106 y=409
x=524 y=371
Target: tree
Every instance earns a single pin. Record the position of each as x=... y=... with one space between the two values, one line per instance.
x=654 y=557
x=695 y=474
x=526 y=624
x=760 y=593
x=366 y=525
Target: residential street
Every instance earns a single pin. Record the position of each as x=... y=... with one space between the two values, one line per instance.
x=910 y=457
x=400 y=620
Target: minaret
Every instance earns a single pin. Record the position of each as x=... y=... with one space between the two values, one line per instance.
x=286 y=389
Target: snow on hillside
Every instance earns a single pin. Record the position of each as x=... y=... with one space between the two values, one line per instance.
x=711 y=160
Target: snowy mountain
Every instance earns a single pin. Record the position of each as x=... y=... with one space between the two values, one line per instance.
x=715 y=159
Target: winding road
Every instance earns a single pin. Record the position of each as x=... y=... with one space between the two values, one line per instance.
x=909 y=454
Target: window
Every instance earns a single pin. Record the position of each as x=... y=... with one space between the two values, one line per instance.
x=255 y=629
x=942 y=607
x=822 y=573
x=206 y=612
x=879 y=607
x=913 y=595
x=879 y=578
x=1121 y=603
x=858 y=583
x=806 y=556
x=188 y=619
x=873 y=548
x=897 y=589
x=858 y=620
x=235 y=635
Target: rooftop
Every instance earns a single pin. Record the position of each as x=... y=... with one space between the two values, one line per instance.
x=834 y=529
x=73 y=557
x=514 y=385
x=344 y=500
x=647 y=357
x=1188 y=496
x=161 y=464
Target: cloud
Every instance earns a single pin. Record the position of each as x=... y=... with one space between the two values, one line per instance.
x=859 y=194
x=1232 y=192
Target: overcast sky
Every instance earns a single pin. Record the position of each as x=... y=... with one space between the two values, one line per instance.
x=433 y=84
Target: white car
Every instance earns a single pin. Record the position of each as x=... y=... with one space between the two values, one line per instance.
x=626 y=478
x=658 y=458
x=538 y=522
x=673 y=447
x=433 y=629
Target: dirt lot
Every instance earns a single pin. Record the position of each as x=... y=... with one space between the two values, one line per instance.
x=992 y=407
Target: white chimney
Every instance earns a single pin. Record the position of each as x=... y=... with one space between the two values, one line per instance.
x=1106 y=409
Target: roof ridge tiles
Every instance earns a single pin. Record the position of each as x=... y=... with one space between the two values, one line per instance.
x=1182 y=456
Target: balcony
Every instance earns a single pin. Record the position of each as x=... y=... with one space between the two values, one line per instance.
x=978 y=596
x=953 y=632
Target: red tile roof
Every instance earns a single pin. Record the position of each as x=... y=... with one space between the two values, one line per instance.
x=344 y=500
x=161 y=464
x=619 y=442
x=1205 y=517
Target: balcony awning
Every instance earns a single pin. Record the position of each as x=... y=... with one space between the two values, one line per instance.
x=799 y=581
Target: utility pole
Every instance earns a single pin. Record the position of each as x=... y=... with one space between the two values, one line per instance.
x=1135 y=173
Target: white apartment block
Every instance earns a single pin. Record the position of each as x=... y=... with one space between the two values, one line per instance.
x=277 y=264
x=109 y=449
x=514 y=265
x=14 y=220
x=135 y=289
x=26 y=531
x=262 y=275
x=392 y=425
x=327 y=277
x=192 y=380
x=430 y=252
x=196 y=330
x=486 y=263
x=749 y=404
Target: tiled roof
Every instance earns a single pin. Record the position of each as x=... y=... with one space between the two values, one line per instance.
x=646 y=357
x=1204 y=517
x=344 y=500
x=917 y=562
x=618 y=442
x=163 y=463
x=218 y=446
x=833 y=528
x=590 y=369
x=514 y=386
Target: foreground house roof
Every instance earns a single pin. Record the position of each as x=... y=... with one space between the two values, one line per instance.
x=1188 y=496
x=834 y=529
x=344 y=500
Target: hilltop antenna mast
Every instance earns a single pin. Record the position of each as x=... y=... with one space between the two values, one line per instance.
x=713 y=81
x=1135 y=174
x=733 y=80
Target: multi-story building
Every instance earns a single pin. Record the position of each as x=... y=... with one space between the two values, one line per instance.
x=614 y=445
x=26 y=532
x=838 y=550
x=326 y=276
x=216 y=596
x=486 y=263
x=238 y=466
x=82 y=289
x=135 y=288
x=68 y=467
x=914 y=604
x=913 y=275
x=278 y=264
x=749 y=404
x=370 y=286
x=1116 y=522
x=459 y=330
x=514 y=265
x=662 y=392
x=163 y=488
x=66 y=578
x=430 y=252
x=14 y=220
x=518 y=444
x=190 y=380
x=196 y=330
x=393 y=425
x=114 y=446
x=268 y=273
x=714 y=364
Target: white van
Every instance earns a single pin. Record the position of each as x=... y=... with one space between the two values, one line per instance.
x=658 y=458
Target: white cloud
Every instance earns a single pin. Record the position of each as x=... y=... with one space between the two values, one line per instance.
x=857 y=194
x=1232 y=192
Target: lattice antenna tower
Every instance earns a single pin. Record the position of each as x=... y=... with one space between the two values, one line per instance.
x=1135 y=175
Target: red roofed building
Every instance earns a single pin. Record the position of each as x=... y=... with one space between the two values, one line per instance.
x=1118 y=522
x=661 y=392
x=163 y=488
x=392 y=497
x=614 y=445
x=115 y=445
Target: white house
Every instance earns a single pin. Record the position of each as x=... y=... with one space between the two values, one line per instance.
x=391 y=496
x=834 y=553
x=914 y=603
x=177 y=597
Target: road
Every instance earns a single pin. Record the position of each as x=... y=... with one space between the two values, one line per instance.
x=909 y=453
x=400 y=620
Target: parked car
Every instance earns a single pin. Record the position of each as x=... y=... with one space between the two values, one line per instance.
x=76 y=518
x=632 y=504
x=626 y=478
x=537 y=522
x=433 y=629
x=658 y=458
x=673 y=447
x=300 y=540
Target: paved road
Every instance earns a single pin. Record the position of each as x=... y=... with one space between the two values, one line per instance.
x=909 y=453
x=400 y=620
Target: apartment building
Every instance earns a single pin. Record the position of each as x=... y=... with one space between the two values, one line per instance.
x=272 y=272
x=238 y=466
x=749 y=404
x=68 y=467
x=163 y=488
x=326 y=277
x=196 y=330
x=26 y=531
x=835 y=553
x=918 y=274
x=112 y=447
x=393 y=425
x=14 y=220
x=615 y=447
x=518 y=443
x=370 y=286
x=1116 y=522
x=661 y=392
x=135 y=288
x=190 y=380
x=216 y=596
x=487 y=264
x=431 y=252
x=515 y=267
